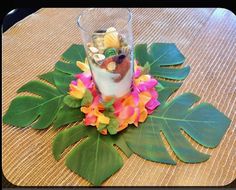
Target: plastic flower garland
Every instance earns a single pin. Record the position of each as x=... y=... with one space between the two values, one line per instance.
x=133 y=108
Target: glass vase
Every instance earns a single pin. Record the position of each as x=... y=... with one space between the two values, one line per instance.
x=108 y=41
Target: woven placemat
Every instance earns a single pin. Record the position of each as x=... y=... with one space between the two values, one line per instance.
x=206 y=37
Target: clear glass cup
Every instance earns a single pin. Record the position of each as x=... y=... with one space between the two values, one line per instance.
x=108 y=41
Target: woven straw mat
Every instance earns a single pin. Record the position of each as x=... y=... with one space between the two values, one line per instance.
x=207 y=38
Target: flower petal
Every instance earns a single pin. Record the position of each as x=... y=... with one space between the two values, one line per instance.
x=143 y=115
x=126 y=112
x=142 y=87
x=85 y=109
x=138 y=72
x=144 y=97
x=76 y=94
x=103 y=119
x=152 y=104
x=104 y=131
x=122 y=126
x=74 y=87
x=86 y=79
x=90 y=120
x=74 y=82
x=151 y=83
x=83 y=66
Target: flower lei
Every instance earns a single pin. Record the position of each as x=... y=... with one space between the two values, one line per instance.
x=116 y=114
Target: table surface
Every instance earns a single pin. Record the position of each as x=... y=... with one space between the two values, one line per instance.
x=207 y=38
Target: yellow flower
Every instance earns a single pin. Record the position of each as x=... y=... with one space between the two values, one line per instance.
x=142 y=78
x=83 y=66
x=101 y=118
x=78 y=90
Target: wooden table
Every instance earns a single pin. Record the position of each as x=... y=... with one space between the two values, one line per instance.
x=207 y=37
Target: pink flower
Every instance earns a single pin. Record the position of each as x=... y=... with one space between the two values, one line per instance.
x=146 y=83
x=74 y=82
x=86 y=79
x=152 y=105
x=138 y=72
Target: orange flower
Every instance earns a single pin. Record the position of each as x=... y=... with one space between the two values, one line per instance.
x=131 y=111
x=94 y=116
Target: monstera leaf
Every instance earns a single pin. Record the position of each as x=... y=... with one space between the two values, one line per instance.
x=166 y=88
x=72 y=55
x=59 y=79
x=75 y=52
x=49 y=77
x=24 y=110
x=66 y=68
x=67 y=115
x=95 y=158
x=159 y=57
x=203 y=123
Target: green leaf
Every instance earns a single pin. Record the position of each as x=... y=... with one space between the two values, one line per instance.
x=165 y=89
x=120 y=142
x=171 y=73
x=48 y=77
x=159 y=57
x=87 y=99
x=68 y=137
x=48 y=112
x=109 y=104
x=204 y=123
x=62 y=81
x=72 y=102
x=75 y=52
x=39 y=88
x=67 y=115
x=101 y=126
x=99 y=161
x=68 y=68
x=113 y=126
x=23 y=111
x=146 y=69
x=166 y=54
x=141 y=54
x=95 y=159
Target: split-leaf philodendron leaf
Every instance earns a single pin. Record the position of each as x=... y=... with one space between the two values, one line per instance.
x=204 y=123
x=160 y=56
x=166 y=88
x=24 y=110
x=75 y=52
x=96 y=158
x=67 y=115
